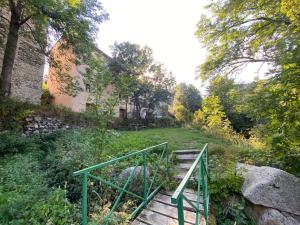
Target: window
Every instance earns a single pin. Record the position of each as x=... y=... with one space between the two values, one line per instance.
x=88 y=88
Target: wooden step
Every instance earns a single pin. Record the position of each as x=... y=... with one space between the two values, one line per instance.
x=187 y=151
x=160 y=210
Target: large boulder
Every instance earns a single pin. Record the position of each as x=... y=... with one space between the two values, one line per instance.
x=267 y=216
x=136 y=184
x=273 y=188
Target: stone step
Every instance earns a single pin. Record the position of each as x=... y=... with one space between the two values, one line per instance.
x=186 y=157
x=187 y=151
x=186 y=166
x=180 y=174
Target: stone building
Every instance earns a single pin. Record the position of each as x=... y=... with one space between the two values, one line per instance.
x=83 y=99
x=27 y=76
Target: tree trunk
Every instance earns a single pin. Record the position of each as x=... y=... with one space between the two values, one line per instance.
x=9 y=54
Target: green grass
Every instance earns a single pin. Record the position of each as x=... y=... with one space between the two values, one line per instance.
x=178 y=138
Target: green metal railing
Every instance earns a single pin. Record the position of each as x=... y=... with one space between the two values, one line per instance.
x=142 y=159
x=200 y=169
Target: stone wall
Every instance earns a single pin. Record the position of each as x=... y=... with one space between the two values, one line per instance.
x=28 y=69
x=45 y=125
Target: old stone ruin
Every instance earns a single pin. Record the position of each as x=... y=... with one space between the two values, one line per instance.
x=28 y=68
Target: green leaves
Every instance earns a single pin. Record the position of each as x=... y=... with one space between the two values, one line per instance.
x=241 y=32
x=187 y=100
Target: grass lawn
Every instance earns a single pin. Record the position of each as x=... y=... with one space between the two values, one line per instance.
x=178 y=138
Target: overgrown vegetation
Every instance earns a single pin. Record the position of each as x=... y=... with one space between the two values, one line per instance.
x=47 y=163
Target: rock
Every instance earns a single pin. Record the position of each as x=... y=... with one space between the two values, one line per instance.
x=37 y=118
x=273 y=188
x=267 y=216
x=124 y=175
x=243 y=168
x=137 y=180
x=29 y=119
x=36 y=132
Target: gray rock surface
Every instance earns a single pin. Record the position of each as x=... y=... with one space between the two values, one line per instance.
x=44 y=125
x=243 y=168
x=273 y=188
x=268 y=216
x=136 y=183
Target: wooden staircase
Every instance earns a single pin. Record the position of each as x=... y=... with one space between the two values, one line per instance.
x=160 y=210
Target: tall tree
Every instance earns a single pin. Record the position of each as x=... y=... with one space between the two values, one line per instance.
x=237 y=33
x=248 y=31
x=131 y=59
x=232 y=96
x=187 y=100
x=73 y=20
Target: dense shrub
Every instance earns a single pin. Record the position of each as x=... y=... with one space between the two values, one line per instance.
x=25 y=196
x=46 y=97
x=15 y=143
x=13 y=113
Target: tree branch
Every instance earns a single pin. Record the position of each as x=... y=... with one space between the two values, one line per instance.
x=25 y=20
x=3 y=17
x=36 y=39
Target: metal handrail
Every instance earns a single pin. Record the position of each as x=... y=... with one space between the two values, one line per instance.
x=202 y=188
x=147 y=194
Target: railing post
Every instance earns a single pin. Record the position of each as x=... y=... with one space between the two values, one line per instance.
x=204 y=186
x=198 y=194
x=167 y=158
x=84 y=198
x=207 y=160
x=145 y=184
x=207 y=176
x=180 y=210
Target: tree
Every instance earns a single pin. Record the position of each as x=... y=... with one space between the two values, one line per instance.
x=189 y=100
x=75 y=21
x=103 y=101
x=144 y=82
x=155 y=88
x=248 y=31
x=129 y=62
x=231 y=97
x=130 y=59
x=214 y=114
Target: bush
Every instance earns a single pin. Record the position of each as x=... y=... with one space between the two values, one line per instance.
x=25 y=196
x=46 y=97
x=165 y=121
x=15 y=143
x=13 y=113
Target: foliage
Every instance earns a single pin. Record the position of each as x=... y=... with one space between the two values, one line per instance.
x=241 y=32
x=214 y=115
x=131 y=59
x=118 y=218
x=12 y=143
x=13 y=113
x=187 y=100
x=233 y=213
x=147 y=84
x=46 y=97
x=231 y=97
x=75 y=21
x=25 y=196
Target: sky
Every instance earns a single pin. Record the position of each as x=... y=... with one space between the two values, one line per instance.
x=167 y=27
